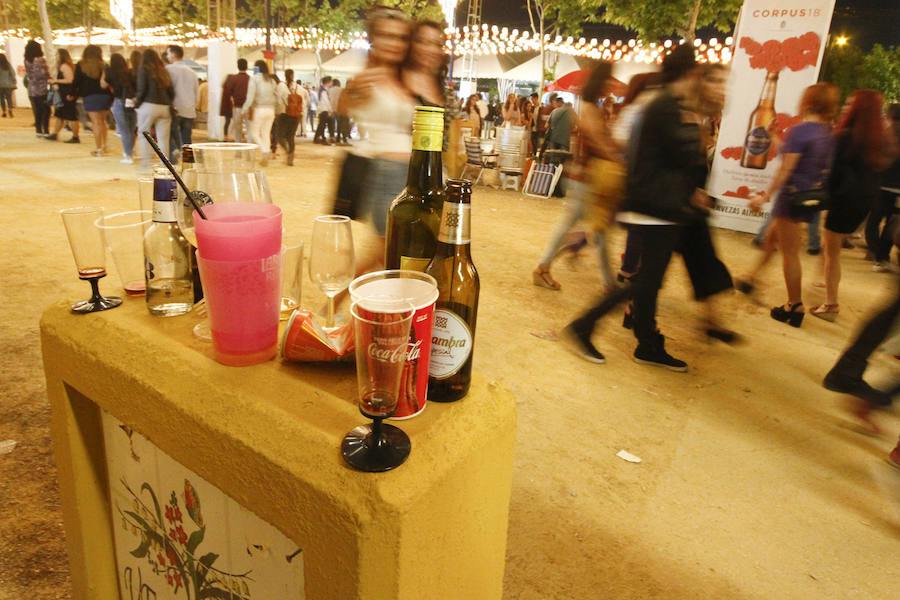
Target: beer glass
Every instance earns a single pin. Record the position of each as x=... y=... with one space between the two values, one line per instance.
x=86 y=243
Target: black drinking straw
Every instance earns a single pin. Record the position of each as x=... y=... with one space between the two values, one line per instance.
x=171 y=168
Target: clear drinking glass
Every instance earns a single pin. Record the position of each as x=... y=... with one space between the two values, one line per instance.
x=331 y=262
x=381 y=326
x=86 y=243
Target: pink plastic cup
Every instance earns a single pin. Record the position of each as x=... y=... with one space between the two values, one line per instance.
x=239 y=256
x=238 y=231
x=243 y=300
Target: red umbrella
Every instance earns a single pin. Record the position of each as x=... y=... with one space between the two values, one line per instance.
x=574 y=81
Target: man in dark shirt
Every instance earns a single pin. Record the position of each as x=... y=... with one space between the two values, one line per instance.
x=235 y=87
x=543 y=117
x=559 y=133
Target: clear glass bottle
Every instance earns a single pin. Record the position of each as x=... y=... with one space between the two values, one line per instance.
x=167 y=254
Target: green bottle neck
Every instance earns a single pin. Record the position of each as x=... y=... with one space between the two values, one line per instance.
x=425 y=173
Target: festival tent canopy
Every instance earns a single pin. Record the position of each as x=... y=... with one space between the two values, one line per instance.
x=349 y=62
x=574 y=82
x=492 y=66
x=305 y=60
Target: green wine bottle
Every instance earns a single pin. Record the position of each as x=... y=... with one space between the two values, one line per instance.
x=415 y=215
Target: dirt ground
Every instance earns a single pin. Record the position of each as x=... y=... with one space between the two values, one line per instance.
x=753 y=483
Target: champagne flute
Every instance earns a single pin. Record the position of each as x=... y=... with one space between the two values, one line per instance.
x=86 y=243
x=331 y=264
x=381 y=326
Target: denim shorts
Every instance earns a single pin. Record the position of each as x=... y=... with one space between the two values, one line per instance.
x=96 y=102
x=384 y=182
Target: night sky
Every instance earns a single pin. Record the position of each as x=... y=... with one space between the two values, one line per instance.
x=865 y=22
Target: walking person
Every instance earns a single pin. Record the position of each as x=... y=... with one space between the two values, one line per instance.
x=425 y=72
x=235 y=91
x=879 y=240
x=262 y=99
x=311 y=112
x=91 y=86
x=805 y=166
x=153 y=104
x=124 y=87
x=864 y=148
x=64 y=109
x=187 y=88
x=664 y=182
x=595 y=176
x=7 y=85
x=323 y=110
x=337 y=119
x=38 y=85
x=295 y=108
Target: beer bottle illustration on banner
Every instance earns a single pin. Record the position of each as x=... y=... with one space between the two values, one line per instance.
x=759 y=139
x=453 y=335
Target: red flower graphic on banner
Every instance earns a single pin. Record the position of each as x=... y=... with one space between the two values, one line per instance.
x=741 y=192
x=794 y=53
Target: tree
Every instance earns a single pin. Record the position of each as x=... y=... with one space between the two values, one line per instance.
x=655 y=19
x=843 y=66
x=64 y=14
x=881 y=71
x=550 y=18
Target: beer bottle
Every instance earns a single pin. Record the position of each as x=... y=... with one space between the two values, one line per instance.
x=453 y=336
x=415 y=215
x=759 y=141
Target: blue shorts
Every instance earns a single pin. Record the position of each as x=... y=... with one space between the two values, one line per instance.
x=96 y=102
x=384 y=182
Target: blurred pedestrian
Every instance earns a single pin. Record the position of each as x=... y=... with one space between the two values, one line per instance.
x=7 y=85
x=64 y=109
x=295 y=108
x=153 y=104
x=90 y=84
x=186 y=86
x=262 y=99
x=425 y=72
x=863 y=150
x=124 y=88
x=38 y=85
x=235 y=91
x=324 y=110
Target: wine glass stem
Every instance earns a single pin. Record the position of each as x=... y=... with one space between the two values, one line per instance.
x=330 y=318
x=376 y=433
x=95 y=289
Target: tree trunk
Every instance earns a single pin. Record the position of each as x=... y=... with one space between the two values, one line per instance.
x=543 y=58
x=692 y=23
x=49 y=48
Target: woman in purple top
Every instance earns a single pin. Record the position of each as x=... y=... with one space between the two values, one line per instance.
x=38 y=75
x=805 y=165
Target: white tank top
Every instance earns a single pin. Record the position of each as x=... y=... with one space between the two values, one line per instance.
x=387 y=119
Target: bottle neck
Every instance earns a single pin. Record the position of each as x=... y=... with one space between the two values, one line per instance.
x=455 y=224
x=767 y=98
x=424 y=172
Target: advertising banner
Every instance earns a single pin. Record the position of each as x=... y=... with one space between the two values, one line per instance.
x=778 y=51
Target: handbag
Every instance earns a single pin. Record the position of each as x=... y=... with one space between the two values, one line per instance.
x=814 y=198
x=348 y=197
x=54 y=99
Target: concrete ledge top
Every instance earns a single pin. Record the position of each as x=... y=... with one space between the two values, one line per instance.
x=286 y=419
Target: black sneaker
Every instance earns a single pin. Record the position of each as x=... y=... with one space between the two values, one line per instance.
x=844 y=384
x=581 y=345
x=73 y=140
x=655 y=354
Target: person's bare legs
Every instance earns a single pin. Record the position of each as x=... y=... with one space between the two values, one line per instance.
x=789 y=236
x=769 y=246
x=98 y=124
x=833 y=243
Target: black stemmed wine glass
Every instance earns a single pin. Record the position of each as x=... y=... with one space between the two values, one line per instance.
x=86 y=243
x=381 y=326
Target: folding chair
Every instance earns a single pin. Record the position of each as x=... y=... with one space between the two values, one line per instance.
x=542 y=179
x=477 y=158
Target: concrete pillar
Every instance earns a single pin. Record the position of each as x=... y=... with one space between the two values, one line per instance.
x=222 y=61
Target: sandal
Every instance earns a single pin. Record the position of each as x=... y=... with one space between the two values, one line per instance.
x=829 y=312
x=790 y=315
x=541 y=277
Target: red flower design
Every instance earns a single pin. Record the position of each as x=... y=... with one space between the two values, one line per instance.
x=794 y=53
x=178 y=514
x=182 y=536
x=177 y=578
x=742 y=192
x=170 y=516
x=160 y=559
x=173 y=558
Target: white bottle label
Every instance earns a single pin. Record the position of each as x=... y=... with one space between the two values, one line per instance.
x=455 y=224
x=163 y=211
x=451 y=344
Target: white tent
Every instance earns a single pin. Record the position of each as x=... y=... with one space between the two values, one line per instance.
x=349 y=62
x=304 y=61
x=625 y=70
x=490 y=66
x=530 y=70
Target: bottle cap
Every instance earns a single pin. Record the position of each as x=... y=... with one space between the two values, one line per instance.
x=428 y=128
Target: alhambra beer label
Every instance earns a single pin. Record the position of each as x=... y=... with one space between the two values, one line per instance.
x=451 y=344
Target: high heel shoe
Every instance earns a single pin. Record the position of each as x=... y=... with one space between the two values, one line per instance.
x=829 y=312
x=542 y=278
x=791 y=316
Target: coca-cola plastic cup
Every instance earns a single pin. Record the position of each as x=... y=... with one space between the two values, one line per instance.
x=421 y=291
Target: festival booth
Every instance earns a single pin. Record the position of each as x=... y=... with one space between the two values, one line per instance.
x=347 y=63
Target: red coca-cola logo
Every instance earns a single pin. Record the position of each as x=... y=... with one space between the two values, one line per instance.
x=391 y=355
